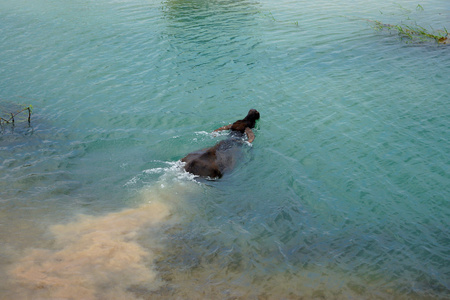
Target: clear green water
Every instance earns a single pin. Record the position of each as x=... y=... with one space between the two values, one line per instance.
x=344 y=194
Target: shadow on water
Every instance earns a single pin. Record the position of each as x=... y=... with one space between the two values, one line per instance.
x=214 y=31
x=209 y=48
x=197 y=10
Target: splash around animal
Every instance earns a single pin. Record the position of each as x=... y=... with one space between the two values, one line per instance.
x=213 y=162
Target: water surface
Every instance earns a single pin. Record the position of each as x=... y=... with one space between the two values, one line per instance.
x=343 y=194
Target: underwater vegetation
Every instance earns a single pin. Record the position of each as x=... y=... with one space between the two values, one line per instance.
x=412 y=31
x=271 y=17
x=409 y=29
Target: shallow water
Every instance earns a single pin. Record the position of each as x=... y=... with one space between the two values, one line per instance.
x=343 y=194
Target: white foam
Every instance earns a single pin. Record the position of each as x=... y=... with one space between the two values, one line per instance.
x=154 y=171
x=212 y=134
x=172 y=172
x=202 y=133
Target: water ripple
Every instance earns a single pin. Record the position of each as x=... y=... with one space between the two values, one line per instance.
x=344 y=192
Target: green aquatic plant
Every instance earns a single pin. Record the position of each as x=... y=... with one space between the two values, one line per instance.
x=270 y=16
x=413 y=31
x=12 y=116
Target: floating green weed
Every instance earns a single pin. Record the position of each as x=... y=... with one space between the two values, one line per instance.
x=413 y=31
x=271 y=17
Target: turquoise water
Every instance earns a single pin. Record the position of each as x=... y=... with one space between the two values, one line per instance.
x=343 y=194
